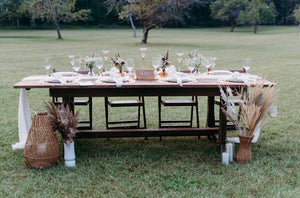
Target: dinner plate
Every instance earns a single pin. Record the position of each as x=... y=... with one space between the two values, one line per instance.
x=65 y=73
x=53 y=81
x=174 y=80
x=235 y=80
x=220 y=72
x=88 y=78
x=85 y=83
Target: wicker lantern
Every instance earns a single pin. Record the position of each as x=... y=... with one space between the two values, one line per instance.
x=41 y=148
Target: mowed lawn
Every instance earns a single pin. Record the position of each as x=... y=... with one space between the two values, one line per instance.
x=175 y=166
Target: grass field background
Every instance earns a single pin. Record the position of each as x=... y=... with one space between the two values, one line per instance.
x=173 y=167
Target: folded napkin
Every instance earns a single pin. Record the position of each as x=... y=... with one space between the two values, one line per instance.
x=85 y=83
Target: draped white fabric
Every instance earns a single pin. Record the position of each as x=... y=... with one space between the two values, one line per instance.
x=24 y=120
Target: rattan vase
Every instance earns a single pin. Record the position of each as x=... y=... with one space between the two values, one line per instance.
x=41 y=148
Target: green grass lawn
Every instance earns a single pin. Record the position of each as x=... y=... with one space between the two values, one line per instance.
x=174 y=167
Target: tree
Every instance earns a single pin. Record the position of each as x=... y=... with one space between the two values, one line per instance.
x=285 y=8
x=258 y=12
x=154 y=13
x=127 y=10
x=228 y=11
x=296 y=14
x=8 y=11
x=56 y=11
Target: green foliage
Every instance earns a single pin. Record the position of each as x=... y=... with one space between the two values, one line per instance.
x=297 y=14
x=258 y=12
x=228 y=11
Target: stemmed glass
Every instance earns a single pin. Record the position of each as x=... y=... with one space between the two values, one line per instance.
x=99 y=64
x=246 y=64
x=155 y=63
x=212 y=63
x=143 y=53
x=130 y=65
x=179 y=59
x=47 y=65
x=76 y=65
x=105 y=55
x=189 y=65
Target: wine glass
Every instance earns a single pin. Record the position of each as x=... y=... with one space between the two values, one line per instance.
x=189 y=65
x=246 y=65
x=155 y=63
x=76 y=65
x=179 y=59
x=143 y=53
x=130 y=64
x=47 y=65
x=105 y=56
x=99 y=64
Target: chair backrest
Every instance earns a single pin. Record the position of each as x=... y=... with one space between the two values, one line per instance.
x=238 y=70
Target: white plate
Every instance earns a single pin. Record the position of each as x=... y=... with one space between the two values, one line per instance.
x=235 y=80
x=53 y=81
x=88 y=78
x=85 y=83
x=220 y=72
x=174 y=80
x=65 y=73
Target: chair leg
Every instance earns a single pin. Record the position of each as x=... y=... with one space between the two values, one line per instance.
x=197 y=111
x=144 y=113
x=106 y=111
x=159 y=111
x=91 y=112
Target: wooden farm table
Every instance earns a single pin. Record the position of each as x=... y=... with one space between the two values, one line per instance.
x=201 y=87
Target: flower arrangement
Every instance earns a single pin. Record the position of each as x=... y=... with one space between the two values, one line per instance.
x=90 y=62
x=252 y=109
x=119 y=62
x=198 y=60
x=61 y=119
x=165 y=61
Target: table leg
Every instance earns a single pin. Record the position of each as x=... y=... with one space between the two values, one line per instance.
x=210 y=120
x=222 y=127
x=69 y=101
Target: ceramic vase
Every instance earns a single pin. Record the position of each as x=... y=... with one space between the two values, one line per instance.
x=69 y=154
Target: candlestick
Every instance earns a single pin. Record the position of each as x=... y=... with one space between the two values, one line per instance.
x=225 y=158
x=229 y=150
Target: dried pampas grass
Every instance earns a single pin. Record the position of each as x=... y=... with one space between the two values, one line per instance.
x=253 y=109
x=61 y=119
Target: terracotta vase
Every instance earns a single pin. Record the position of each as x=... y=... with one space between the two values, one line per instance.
x=163 y=73
x=244 y=154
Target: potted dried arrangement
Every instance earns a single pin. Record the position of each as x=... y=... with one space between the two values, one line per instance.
x=252 y=110
x=119 y=63
x=63 y=120
x=164 y=63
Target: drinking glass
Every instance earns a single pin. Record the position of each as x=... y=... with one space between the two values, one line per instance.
x=99 y=64
x=71 y=57
x=143 y=54
x=76 y=65
x=189 y=64
x=105 y=55
x=130 y=64
x=47 y=65
x=179 y=59
x=246 y=65
x=155 y=63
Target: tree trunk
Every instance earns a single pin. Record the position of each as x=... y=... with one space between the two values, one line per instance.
x=58 y=31
x=232 y=28
x=145 y=34
x=33 y=23
x=255 y=27
x=18 y=22
x=133 y=26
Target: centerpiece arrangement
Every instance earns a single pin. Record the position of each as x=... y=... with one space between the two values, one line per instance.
x=63 y=120
x=119 y=63
x=252 y=110
x=90 y=63
x=164 y=62
x=197 y=60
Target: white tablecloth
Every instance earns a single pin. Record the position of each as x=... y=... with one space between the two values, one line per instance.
x=24 y=120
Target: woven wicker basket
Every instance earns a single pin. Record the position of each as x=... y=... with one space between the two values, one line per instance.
x=41 y=148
